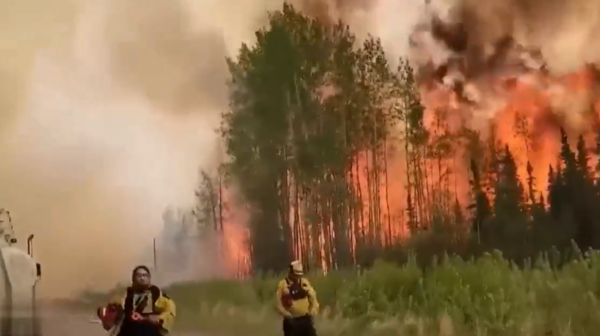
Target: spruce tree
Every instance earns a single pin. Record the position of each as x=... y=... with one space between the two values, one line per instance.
x=480 y=208
x=509 y=225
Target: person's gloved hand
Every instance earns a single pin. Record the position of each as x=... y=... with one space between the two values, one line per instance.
x=137 y=316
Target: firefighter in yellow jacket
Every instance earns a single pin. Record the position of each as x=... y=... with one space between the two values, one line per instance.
x=144 y=310
x=297 y=302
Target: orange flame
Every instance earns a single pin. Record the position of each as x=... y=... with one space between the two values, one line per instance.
x=527 y=120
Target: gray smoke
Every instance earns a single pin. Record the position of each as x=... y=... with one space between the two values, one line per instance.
x=186 y=251
x=109 y=109
x=482 y=51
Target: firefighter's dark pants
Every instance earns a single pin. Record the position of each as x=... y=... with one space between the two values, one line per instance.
x=139 y=329
x=299 y=326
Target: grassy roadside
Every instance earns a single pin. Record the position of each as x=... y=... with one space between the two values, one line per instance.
x=488 y=296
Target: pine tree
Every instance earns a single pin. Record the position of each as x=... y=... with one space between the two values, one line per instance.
x=579 y=197
x=480 y=208
x=508 y=228
x=555 y=191
x=530 y=183
x=305 y=137
x=597 y=167
x=508 y=188
x=582 y=159
x=569 y=161
x=257 y=132
x=416 y=140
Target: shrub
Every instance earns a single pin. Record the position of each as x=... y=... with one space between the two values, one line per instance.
x=486 y=296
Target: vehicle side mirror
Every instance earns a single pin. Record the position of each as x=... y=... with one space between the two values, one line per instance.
x=38 y=270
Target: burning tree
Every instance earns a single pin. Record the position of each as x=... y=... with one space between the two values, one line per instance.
x=339 y=158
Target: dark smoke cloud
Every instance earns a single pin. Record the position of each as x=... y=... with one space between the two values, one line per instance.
x=471 y=47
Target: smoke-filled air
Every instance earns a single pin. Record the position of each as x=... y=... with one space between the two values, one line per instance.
x=110 y=112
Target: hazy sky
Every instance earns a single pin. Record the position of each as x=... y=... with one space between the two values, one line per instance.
x=109 y=109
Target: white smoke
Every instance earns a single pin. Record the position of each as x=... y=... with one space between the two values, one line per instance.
x=186 y=251
x=109 y=109
x=91 y=158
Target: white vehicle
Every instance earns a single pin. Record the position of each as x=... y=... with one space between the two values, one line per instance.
x=18 y=280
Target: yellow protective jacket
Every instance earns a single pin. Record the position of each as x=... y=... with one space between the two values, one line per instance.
x=288 y=306
x=162 y=305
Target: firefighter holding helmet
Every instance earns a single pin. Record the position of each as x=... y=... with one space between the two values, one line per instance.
x=297 y=302
x=143 y=310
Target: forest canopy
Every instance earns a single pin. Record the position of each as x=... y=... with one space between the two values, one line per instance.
x=338 y=160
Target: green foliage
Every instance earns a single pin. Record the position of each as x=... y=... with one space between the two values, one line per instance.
x=487 y=296
x=306 y=101
x=312 y=116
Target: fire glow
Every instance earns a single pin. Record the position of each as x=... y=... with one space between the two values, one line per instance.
x=489 y=83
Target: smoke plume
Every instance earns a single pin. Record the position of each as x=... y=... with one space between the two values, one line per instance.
x=482 y=51
x=108 y=112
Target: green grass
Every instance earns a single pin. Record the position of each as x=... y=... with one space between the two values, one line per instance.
x=488 y=296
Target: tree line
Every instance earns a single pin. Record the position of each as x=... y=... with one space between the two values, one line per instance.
x=314 y=119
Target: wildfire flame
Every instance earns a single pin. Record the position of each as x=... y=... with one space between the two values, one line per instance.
x=494 y=72
x=523 y=68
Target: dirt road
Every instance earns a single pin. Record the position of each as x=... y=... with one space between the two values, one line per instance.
x=69 y=323
x=66 y=323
